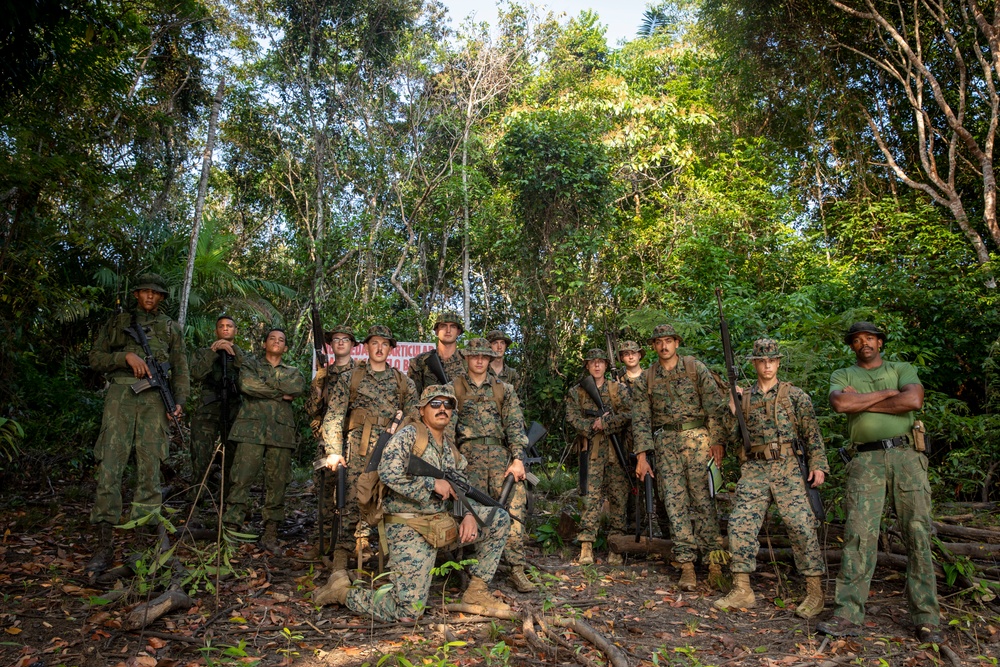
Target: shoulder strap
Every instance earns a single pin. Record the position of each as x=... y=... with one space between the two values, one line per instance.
x=745 y=402
x=649 y=380
x=356 y=374
x=420 y=446
x=784 y=401
x=401 y=386
x=690 y=369
x=498 y=393
x=613 y=393
x=461 y=391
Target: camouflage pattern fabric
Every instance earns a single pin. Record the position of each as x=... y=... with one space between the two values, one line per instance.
x=899 y=475
x=606 y=479
x=411 y=557
x=206 y=425
x=768 y=422
x=479 y=418
x=134 y=421
x=265 y=429
x=422 y=376
x=378 y=395
x=319 y=393
x=508 y=375
x=633 y=386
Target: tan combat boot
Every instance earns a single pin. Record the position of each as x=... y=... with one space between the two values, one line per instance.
x=715 y=578
x=615 y=559
x=478 y=594
x=688 y=580
x=520 y=580
x=586 y=554
x=741 y=597
x=335 y=590
x=270 y=538
x=340 y=559
x=812 y=605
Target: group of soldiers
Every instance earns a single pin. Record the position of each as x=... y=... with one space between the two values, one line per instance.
x=457 y=411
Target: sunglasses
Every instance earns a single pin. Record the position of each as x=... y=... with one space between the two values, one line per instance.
x=442 y=403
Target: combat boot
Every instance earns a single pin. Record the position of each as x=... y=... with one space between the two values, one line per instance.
x=104 y=555
x=586 y=554
x=335 y=590
x=812 y=605
x=478 y=594
x=340 y=559
x=741 y=597
x=688 y=580
x=715 y=578
x=615 y=559
x=270 y=539
x=520 y=580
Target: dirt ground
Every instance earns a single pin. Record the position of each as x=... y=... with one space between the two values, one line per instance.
x=52 y=613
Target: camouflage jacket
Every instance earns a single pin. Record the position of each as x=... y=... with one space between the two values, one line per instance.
x=319 y=388
x=206 y=370
x=265 y=417
x=508 y=375
x=675 y=400
x=768 y=422
x=479 y=417
x=423 y=377
x=415 y=494
x=377 y=395
x=165 y=342
x=581 y=412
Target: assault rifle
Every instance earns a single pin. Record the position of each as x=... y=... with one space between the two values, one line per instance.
x=727 y=349
x=535 y=433
x=319 y=345
x=815 y=500
x=435 y=366
x=376 y=454
x=463 y=490
x=226 y=393
x=590 y=386
x=157 y=378
x=647 y=483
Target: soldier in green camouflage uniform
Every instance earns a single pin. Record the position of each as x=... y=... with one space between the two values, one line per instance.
x=490 y=434
x=447 y=328
x=411 y=557
x=780 y=421
x=500 y=342
x=379 y=393
x=265 y=431
x=341 y=340
x=606 y=478
x=206 y=422
x=132 y=420
x=679 y=421
x=880 y=398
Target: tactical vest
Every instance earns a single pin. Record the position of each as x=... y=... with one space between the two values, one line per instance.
x=782 y=401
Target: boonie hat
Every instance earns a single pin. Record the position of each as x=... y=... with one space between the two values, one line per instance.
x=765 y=348
x=449 y=316
x=153 y=281
x=383 y=331
x=479 y=346
x=433 y=391
x=862 y=327
x=343 y=329
x=628 y=346
x=496 y=335
x=595 y=353
x=664 y=331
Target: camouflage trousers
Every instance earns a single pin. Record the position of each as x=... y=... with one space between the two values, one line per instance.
x=899 y=475
x=249 y=459
x=487 y=464
x=411 y=559
x=780 y=481
x=606 y=480
x=130 y=421
x=350 y=520
x=206 y=430
x=682 y=477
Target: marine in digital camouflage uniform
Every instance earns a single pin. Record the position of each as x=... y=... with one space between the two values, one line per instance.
x=492 y=439
x=447 y=328
x=265 y=431
x=206 y=422
x=381 y=392
x=134 y=421
x=501 y=342
x=411 y=557
x=780 y=421
x=880 y=399
x=679 y=421
x=606 y=479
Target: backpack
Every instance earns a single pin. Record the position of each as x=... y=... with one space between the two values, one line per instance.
x=462 y=390
x=371 y=490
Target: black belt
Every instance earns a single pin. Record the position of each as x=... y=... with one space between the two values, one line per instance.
x=887 y=443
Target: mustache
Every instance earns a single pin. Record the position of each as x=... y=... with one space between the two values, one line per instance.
x=441 y=412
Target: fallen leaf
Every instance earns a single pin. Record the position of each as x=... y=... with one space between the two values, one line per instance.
x=12 y=631
x=156 y=642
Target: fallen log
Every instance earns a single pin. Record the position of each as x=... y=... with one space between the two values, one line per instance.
x=479 y=610
x=145 y=614
x=558 y=639
x=615 y=655
x=966 y=533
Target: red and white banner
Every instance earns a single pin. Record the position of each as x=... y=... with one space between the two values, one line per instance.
x=399 y=357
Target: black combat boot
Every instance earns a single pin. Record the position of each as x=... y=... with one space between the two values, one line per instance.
x=104 y=556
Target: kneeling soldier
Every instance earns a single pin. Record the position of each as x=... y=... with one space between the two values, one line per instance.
x=413 y=504
x=780 y=419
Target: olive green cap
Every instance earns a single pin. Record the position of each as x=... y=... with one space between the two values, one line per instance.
x=664 y=331
x=433 y=391
x=342 y=329
x=496 y=335
x=479 y=346
x=383 y=331
x=765 y=348
x=449 y=316
x=153 y=281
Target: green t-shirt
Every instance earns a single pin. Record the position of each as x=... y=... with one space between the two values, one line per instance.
x=869 y=426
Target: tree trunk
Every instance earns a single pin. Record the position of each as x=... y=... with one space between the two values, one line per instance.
x=466 y=287
x=199 y=206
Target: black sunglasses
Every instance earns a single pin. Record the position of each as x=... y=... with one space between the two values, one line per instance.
x=447 y=404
